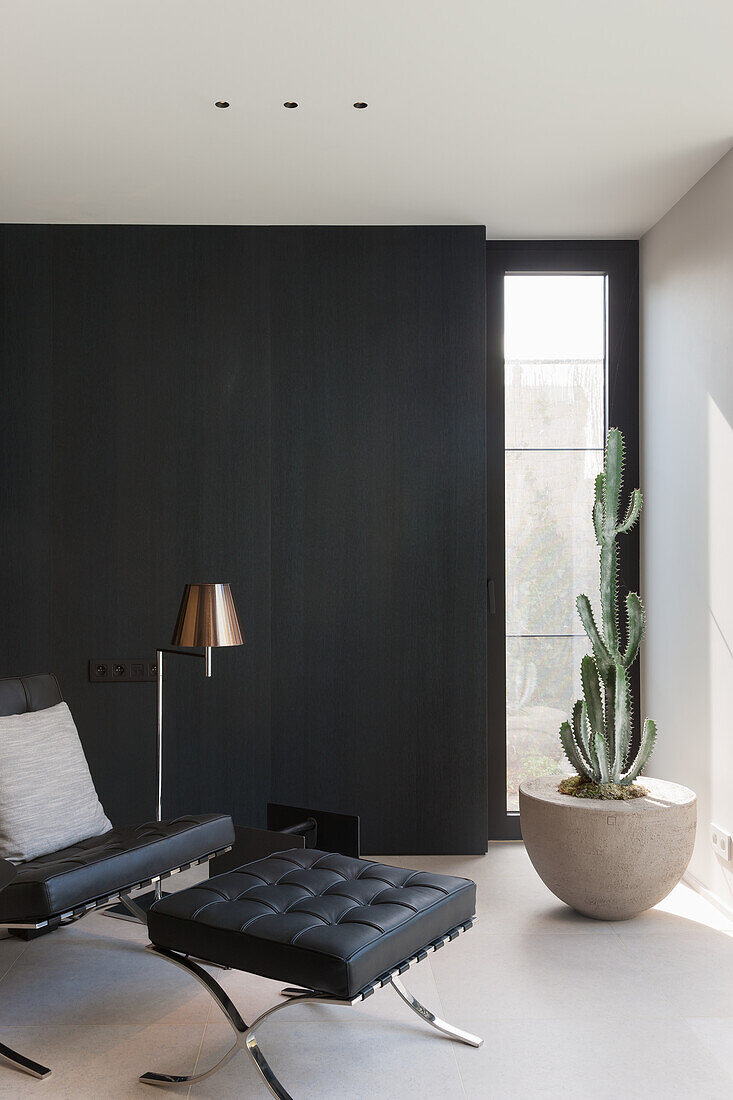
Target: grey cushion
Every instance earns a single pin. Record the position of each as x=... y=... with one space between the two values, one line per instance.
x=47 y=797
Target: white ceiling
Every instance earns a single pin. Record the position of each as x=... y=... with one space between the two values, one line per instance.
x=537 y=118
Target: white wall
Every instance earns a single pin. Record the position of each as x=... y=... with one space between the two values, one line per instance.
x=687 y=478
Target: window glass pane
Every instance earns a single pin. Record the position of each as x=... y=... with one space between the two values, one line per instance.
x=543 y=682
x=551 y=547
x=554 y=403
x=555 y=386
x=554 y=317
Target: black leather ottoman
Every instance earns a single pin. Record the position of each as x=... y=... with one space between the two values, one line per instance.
x=337 y=928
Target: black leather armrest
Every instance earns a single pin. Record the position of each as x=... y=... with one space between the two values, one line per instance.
x=8 y=871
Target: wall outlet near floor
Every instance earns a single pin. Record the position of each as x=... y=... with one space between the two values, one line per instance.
x=721 y=842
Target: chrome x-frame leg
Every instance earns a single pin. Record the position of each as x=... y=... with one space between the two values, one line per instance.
x=35 y=1069
x=245 y=1038
x=434 y=1021
x=245 y=1035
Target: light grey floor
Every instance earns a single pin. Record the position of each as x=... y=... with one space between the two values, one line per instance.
x=568 y=1008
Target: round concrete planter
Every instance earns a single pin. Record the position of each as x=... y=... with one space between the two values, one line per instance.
x=608 y=860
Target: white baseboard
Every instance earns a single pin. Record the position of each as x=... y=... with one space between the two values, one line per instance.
x=694 y=883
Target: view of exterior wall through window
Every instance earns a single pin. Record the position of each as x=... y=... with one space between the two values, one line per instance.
x=555 y=423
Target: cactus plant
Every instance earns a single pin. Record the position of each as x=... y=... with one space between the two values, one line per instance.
x=597 y=739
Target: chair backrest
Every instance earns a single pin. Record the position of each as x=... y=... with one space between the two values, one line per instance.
x=19 y=694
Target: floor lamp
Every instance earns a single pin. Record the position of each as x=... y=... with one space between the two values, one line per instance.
x=207 y=619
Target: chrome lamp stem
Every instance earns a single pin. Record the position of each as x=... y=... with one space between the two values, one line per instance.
x=159 y=656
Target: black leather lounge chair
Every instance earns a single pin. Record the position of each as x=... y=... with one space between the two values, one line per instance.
x=44 y=893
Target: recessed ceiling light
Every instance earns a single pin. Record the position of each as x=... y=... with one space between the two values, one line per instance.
x=290 y=104
x=221 y=103
x=360 y=106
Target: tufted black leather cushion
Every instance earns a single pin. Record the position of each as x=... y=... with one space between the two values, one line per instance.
x=320 y=920
x=106 y=864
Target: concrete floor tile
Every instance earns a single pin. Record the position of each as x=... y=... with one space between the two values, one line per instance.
x=75 y=978
x=716 y=1034
x=10 y=951
x=634 y=1058
x=691 y=968
x=95 y=1062
x=514 y=976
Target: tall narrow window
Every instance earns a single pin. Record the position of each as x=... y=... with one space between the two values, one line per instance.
x=555 y=384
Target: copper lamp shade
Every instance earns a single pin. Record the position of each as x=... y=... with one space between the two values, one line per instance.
x=207 y=617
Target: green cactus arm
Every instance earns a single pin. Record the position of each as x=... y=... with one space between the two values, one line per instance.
x=589 y=738
x=604 y=766
x=580 y=734
x=569 y=747
x=592 y=694
x=622 y=708
x=632 y=513
x=609 y=596
x=598 y=509
x=603 y=657
x=648 y=738
x=576 y=725
x=634 y=628
x=571 y=751
x=609 y=712
x=594 y=712
x=614 y=471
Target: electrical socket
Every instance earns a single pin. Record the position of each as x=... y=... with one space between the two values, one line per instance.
x=127 y=670
x=721 y=842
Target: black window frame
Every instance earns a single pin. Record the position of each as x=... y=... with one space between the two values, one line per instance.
x=619 y=261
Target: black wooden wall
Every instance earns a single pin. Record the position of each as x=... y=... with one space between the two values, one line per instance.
x=299 y=411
